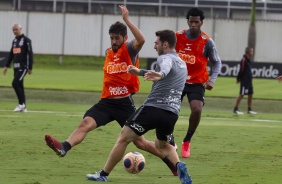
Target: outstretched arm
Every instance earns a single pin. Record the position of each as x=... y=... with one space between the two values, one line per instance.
x=153 y=76
x=133 y=70
x=149 y=75
x=139 y=39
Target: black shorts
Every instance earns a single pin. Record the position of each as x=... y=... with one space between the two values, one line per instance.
x=194 y=92
x=107 y=110
x=246 y=89
x=147 y=118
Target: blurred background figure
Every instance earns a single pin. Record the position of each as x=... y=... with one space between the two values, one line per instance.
x=245 y=79
x=22 y=56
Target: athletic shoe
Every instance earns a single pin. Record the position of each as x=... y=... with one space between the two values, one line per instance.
x=185 y=149
x=252 y=112
x=24 y=110
x=20 y=108
x=183 y=174
x=55 y=145
x=174 y=173
x=237 y=112
x=97 y=177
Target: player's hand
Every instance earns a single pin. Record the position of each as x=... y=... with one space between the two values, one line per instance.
x=133 y=70
x=5 y=70
x=124 y=12
x=29 y=71
x=208 y=85
x=152 y=76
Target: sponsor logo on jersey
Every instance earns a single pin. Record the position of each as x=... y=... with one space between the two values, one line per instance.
x=188 y=47
x=16 y=50
x=116 y=58
x=120 y=90
x=187 y=58
x=117 y=68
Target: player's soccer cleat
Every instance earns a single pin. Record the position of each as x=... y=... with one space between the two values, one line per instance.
x=183 y=174
x=237 y=112
x=20 y=108
x=252 y=112
x=55 y=145
x=97 y=177
x=174 y=173
x=185 y=153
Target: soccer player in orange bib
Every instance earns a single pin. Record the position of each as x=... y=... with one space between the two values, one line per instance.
x=116 y=102
x=196 y=48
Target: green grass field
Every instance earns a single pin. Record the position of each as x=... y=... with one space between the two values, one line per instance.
x=91 y=80
x=226 y=149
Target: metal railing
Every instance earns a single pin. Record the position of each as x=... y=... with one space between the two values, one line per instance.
x=148 y=7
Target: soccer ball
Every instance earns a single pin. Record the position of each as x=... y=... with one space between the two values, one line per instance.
x=134 y=162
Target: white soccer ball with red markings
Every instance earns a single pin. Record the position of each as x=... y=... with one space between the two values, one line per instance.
x=134 y=162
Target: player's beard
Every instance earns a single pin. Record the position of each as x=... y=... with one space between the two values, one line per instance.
x=115 y=47
x=161 y=50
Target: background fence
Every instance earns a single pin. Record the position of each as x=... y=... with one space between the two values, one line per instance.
x=87 y=34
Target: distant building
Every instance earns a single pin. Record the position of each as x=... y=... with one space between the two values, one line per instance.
x=226 y=9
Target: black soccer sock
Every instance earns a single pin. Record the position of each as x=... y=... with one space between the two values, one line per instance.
x=176 y=165
x=249 y=108
x=103 y=173
x=188 y=135
x=235 y=108
x=66 y=146
x=169 y=164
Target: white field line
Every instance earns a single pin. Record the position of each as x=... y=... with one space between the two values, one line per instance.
x=59 y=113
x=62 y=113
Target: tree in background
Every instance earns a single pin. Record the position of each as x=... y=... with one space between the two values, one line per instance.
x=252 y=28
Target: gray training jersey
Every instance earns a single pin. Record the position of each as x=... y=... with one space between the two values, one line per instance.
x=166 y=92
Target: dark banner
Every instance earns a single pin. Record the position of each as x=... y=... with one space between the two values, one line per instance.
x=231 y=68
x=3 y=58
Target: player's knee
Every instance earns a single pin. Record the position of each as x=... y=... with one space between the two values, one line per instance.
x=160 y=145
x=196 y=110
x=140 y=144
x=87 y=124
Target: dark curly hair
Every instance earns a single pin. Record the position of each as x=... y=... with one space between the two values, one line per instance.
x=118 y=28
x=195 y=12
